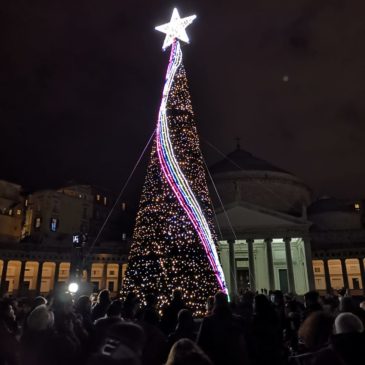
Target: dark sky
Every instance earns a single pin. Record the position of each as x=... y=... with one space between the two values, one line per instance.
x=81 y=82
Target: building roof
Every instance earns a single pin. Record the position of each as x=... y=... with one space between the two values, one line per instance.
x=329 y=204
x=240 y=159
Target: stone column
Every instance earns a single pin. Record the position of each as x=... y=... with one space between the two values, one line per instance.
x=327 y=276
x=289 y=265
x=3 y=276
x=232 y=267
x=309 y=263
x=56 y=274
x=104 y=276
x=344 y=274
x=270 y=263
x=39 y=277
x=362 y=272
x=21 y=276
x=251 y=264
x=119 y=280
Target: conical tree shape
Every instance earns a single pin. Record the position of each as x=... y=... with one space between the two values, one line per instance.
x=168 y=249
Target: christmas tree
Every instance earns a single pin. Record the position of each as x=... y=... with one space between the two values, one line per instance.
x=174 y=243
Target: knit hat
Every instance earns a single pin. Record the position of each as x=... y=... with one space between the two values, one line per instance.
x=40 y=318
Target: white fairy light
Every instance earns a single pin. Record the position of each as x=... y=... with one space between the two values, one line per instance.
x=175 y=29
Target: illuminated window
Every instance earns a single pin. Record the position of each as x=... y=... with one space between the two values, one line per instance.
x=26 y=202
x=54 y=224
x=10 y=211
x=18 y=212
x=105 y=200
x=37 y=222
x=124 y=206
x=357 y=206
x=124 y=236
x=317 y=269
x=98 y=197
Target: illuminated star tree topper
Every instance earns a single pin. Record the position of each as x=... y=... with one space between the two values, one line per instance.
x=176 y=28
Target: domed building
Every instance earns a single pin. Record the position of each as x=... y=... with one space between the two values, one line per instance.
x=264 y=233
x=338 y=244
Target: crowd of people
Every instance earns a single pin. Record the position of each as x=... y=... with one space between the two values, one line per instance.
x=254 y=329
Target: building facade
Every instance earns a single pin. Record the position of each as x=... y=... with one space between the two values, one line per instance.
x=44 y=251
x=271 y=235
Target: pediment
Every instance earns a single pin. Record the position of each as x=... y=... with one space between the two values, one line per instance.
x=245 y=216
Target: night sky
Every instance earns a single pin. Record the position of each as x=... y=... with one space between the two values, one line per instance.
x=81 y=82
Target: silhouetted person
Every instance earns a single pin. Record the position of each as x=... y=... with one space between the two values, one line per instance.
x=42 y=344
x=315 y=333
x=102 y=325
x=83 y=310
x=221 y=334
x=130 y=307
x=184 y=327
x=150 y=310
x=123 y=344
x=9 y=346
x=266 y=333
x=311 y=303
x=100 y=308
x=186 y=352
x=169 y=318
x=349 y=339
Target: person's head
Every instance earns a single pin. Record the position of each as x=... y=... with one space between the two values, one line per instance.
x=177 y=294
x=39 y=300
x=316 y=330
x=348 y=323
x=185 y=319
x=115 y=309
x=185 y=352
x=104 y=297
x=127 y=334
x=83 y=304
x=262 y=305
x=40 y=318
x=6 y=310
x=311 y=298
x=221 y=302
x=210 y=305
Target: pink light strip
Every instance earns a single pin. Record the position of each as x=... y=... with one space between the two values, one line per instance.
x=175 y=176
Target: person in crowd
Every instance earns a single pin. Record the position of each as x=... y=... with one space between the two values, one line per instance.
x=101 y=326
x=42 y=344
x=130 y=307
x=221 y=334
x=311 y=303
x=83 y=311
x=123 y=344
x=347 y=304
x=155 y=349
x=185 y=351
x=267 y=336
x=100 y=308
x=184 y=327
x=348 y=340
x=315 y=334
x=9 y=345
x=150 y=310
x=169 y=317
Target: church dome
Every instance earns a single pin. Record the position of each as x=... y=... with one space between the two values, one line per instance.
x=240 y=176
